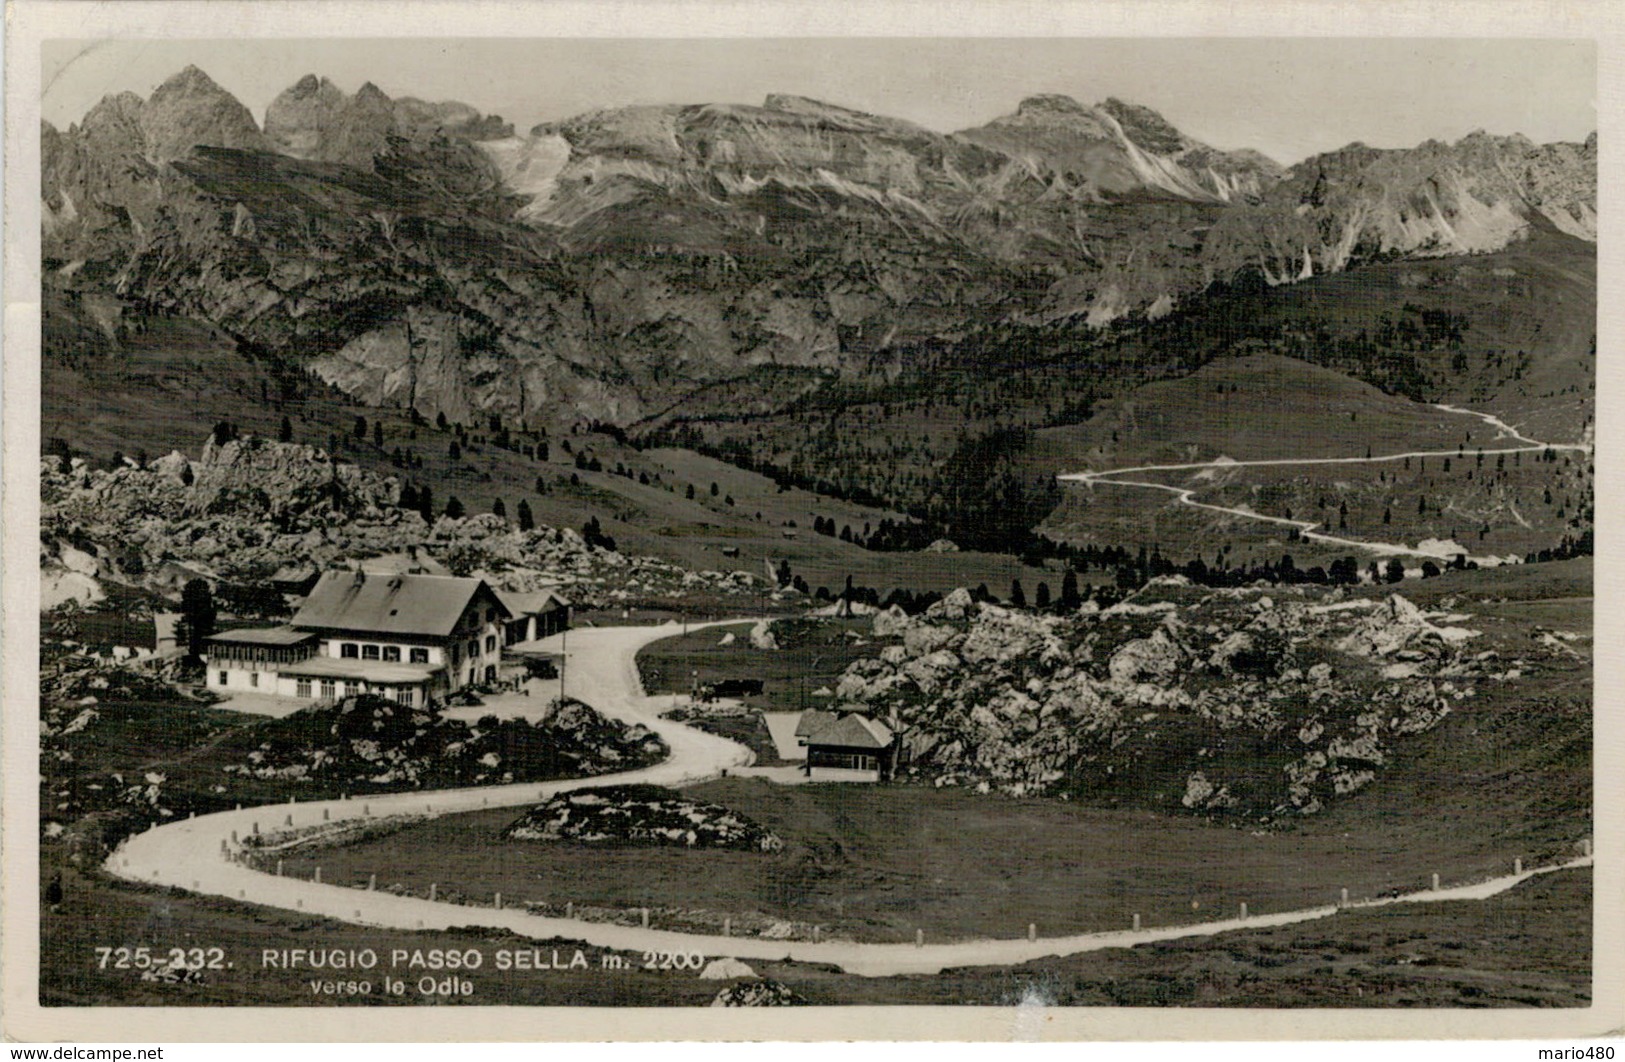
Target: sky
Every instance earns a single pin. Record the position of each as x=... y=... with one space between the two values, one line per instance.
x=1287 y=97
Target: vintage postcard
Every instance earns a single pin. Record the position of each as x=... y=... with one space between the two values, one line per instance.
x=902 y=519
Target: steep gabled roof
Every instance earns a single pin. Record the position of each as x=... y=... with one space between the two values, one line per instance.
x=853 y=731
x=392 y=604
x=527 y=604
x=813 y=720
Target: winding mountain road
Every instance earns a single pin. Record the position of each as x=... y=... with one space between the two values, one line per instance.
x=194 y=854
x=1306 y=528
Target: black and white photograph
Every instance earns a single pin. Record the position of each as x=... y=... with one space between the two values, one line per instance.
x=1063 y=521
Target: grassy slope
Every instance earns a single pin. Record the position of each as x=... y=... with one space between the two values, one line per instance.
x=1508 y=776
x=1313 y=412
x=816 y=657
x=1538 y=296
x=1256 y=407
x=1526 y=948
x=1529 y=947
x=178 y=379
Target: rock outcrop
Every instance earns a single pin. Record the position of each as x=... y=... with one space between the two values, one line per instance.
x=246 y=507
x=639 y=814
x=1178 y=696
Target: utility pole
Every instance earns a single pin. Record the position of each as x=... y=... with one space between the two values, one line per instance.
x=564 y=658
x=809 y=667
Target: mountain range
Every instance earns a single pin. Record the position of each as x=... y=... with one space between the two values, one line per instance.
x=605 y=266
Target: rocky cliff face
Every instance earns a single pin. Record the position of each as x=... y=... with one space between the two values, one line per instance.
x=605 y=266
x=1120 y=148
x=1479 y=194
x=315 y=119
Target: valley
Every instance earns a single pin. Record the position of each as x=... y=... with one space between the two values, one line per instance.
x=1054 y=560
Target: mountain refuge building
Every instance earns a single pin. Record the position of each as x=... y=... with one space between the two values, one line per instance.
x=846 y=747
x=411 y=638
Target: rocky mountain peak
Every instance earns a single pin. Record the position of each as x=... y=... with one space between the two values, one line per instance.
x=191 y=109
x=1146 y=127
x=1049 y=105
x=113 y=126
x=190 y=80
x=370 y=92
x=298 y=120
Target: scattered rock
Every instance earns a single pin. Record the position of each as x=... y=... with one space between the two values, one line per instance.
x=725 y=970
x=758 y=994
x=762 y=637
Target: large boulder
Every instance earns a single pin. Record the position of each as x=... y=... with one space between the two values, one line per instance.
x=727 y=969
x=762 y=637
x=956 y=606
x=1397 y=625
x=1156 y=657
x=893 y=621
x=922 y=639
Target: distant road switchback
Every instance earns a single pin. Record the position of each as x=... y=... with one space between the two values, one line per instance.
x=1307 y=528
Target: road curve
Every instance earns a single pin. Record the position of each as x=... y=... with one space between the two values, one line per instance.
x=1306 y=528
x=192 y=854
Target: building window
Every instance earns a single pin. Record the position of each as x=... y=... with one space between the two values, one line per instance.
x=254 y=679
x=420 y=656
x=392 y=654
x=327 y=689
x=490 y=615
x=490 y=643
x=344 y=689
x=222 y=678
x=301 y=688
x=349 y=650
x=456 y=655
x=473 y=647
x=369 y=652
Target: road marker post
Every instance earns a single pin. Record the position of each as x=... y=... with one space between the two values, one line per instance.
x=318 y=878
x=1032 y=931
x=433 y=889
x=919 y=938
x=372 y=882
x=1435 y=883
x=1585 y=848
x=498 y=901
x=645 y=918
x=1517 y=865
x=1344 y=902
x=1136 y=923
x=1244 y=910
x=727 y=927
x=279 y=868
